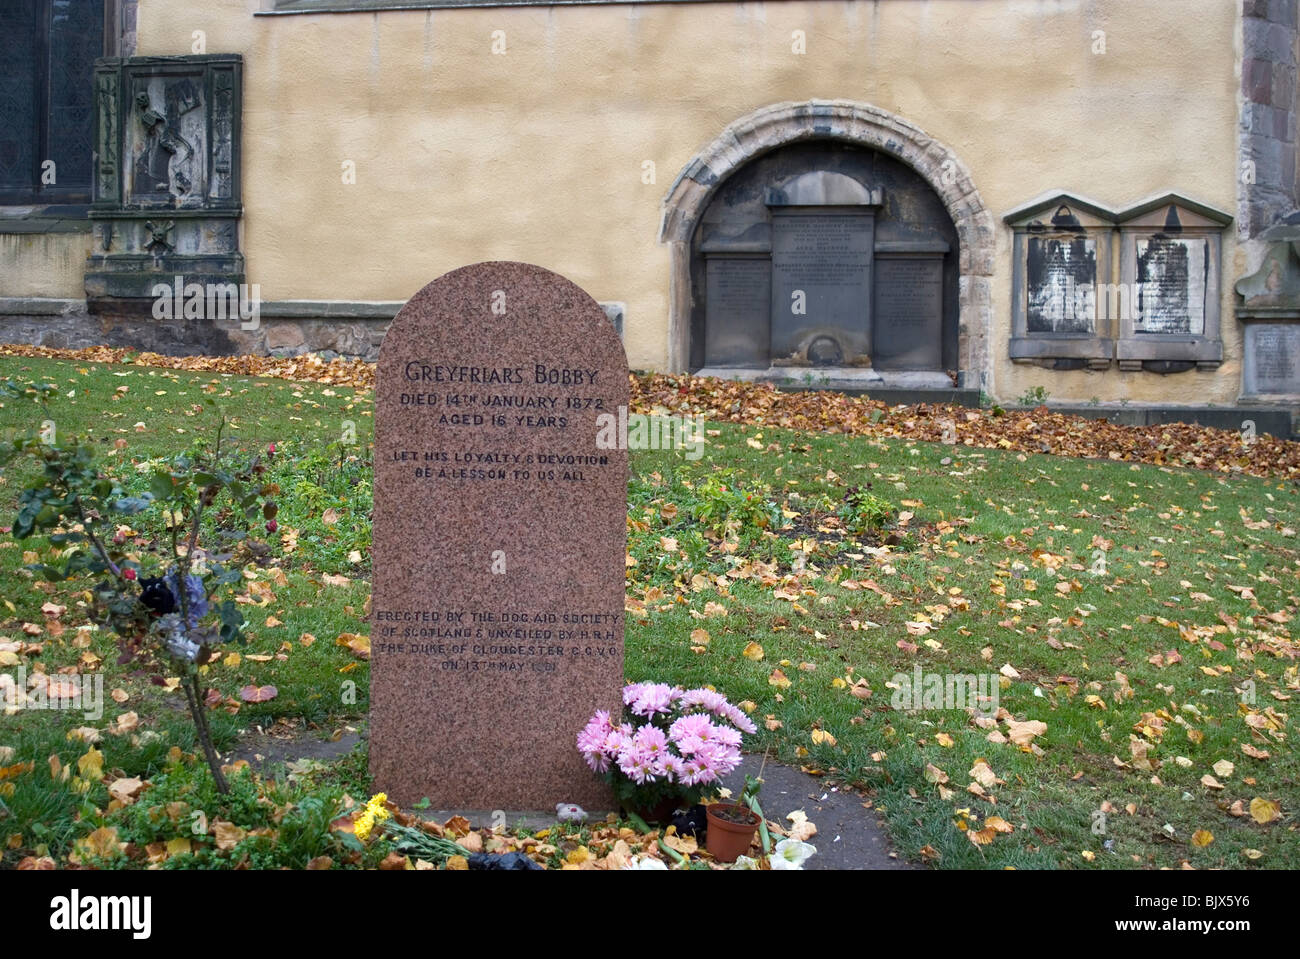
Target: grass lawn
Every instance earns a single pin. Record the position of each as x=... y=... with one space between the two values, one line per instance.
x=1140 y=614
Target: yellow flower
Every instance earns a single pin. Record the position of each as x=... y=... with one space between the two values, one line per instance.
x=365 y=822
x=375 y=807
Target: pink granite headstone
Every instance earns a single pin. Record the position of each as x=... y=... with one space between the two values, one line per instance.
x=499 y=541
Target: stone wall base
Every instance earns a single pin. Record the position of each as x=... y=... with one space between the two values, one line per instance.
x=352 y=330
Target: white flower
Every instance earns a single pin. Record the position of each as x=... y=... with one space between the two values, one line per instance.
x=791 y=854
x=648 y=864
x=745 y=862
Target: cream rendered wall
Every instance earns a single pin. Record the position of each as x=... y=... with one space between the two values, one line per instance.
x=462 y=155
x=44 y=264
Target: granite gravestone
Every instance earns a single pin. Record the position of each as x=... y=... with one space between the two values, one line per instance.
x=499 y=541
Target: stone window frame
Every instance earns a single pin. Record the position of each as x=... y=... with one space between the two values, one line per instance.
x=847 y=121
x=1133 y=348
x=1059 y=350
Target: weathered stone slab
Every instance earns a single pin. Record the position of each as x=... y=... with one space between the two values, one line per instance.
x=1173 y=280
x=1062 y=284
x=821 y=285
x=1272 y=358
x=499 y=541
x=737 y=326
x=908 y=314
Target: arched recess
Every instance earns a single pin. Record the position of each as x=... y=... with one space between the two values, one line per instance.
x=856 y=123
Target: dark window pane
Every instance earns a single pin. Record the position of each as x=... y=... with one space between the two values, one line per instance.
x=20 y=54
x=76 y=39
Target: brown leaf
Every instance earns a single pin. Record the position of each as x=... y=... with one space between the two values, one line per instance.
x=258 y=694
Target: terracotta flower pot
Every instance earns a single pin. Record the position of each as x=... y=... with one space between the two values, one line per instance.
x=728 y=840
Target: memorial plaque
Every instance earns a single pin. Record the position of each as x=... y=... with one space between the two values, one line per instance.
x=499 y=541
x=821 y=283
x=908 y=317
x=1172 y=282
x=1061 y=275
x=738 y=302
x=1272 y=358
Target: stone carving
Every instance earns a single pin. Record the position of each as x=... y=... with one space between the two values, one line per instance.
x=1268 y=308
x=158 y=244
x=164 y=165
x=166 y=176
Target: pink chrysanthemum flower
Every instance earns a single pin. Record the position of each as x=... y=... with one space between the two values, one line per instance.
x=654 y=698
x=652 y=740
x=691 y=732
x=672 y=767
x=591 y=743
x=707 y=699
x=736 y=716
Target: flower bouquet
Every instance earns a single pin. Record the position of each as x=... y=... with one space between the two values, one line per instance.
x=672 y=744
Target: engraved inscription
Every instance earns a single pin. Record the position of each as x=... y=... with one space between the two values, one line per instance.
x=1172 y=277
x=1061 y=274
x=1273 y=358
x=908 y=319
x=821 y=281
x=738 y=304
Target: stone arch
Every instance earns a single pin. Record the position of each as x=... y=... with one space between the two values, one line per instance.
x=857 y=123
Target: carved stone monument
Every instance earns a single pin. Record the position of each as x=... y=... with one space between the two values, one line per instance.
x=827 y=265
x=499 y=541
x=1268 y=307
x=166 y=197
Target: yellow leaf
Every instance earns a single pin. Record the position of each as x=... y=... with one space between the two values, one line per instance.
x=1088 y=854
x=178 y=847
x=820 y=736
x=1264 y=811
x=1202 y=838
x=101 y=843
x=983 y=774
x=360 y=645
x=753 y=651
x=1223 y=768
x=91 y=765
x=778 y=679
x=944 y=740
